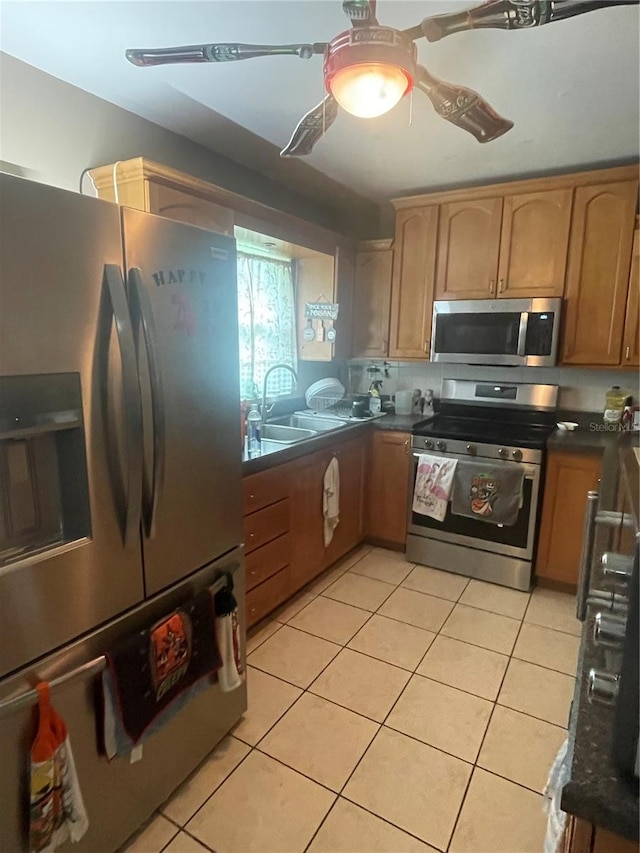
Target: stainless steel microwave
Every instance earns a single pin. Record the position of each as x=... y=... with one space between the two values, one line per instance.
x=505 y=332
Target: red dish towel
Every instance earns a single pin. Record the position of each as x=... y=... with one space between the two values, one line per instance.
x=57 y=810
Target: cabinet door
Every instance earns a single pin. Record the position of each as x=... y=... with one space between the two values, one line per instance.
x=307 y=522
x=468 y=247
x=389 y=487
x=412 y=282
x=534 y=244
x=350 y=529
x=371 y=304
x=569 y=476
x=631 y=340
x=176 y=204
x=598 y=272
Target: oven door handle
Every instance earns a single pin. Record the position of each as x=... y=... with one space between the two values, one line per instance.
x=522 y=333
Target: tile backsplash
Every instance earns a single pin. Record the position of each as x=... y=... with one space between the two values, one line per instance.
x=581 y=389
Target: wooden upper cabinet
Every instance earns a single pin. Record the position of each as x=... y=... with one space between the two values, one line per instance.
x=468 y=249
x=534 y=244
x=372 y=300
x=184 y=207
x=413 y=277
x=631 y=339
x=598 y=272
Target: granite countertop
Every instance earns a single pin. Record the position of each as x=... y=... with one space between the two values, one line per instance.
x=595 y=791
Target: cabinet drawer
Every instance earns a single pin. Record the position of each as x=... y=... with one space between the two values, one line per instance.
x=266 y=524
x=267 y=560
x=267 y=596
x=265 y=488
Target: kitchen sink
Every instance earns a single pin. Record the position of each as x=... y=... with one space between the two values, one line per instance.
x=315 y=423
x=284 y=433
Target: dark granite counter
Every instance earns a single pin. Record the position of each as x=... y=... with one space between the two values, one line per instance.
x=595 y=791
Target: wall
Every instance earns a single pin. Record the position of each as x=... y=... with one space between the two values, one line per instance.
x=580 y=389
x=50 y=131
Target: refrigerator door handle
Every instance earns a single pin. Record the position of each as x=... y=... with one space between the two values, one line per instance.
x=132 y=402
x=141 y=306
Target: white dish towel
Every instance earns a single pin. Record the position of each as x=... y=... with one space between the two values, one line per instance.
x=331 y=499
x=434 y=481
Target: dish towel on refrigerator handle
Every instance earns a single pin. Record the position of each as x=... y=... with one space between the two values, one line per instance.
x=231 y=673
x=57 y=811
x=331 y=500
x=432 y=489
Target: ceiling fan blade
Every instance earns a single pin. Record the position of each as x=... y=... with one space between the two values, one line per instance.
x=462 y=107
x=311 y=128
x=361 y=12
x=221 y=52
x=509 y=15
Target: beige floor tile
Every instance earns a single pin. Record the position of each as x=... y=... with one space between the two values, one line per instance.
x=364 y=685
x=410 y=784
x=330 y=575
x=350 y=829
x=489 y=630
x=436 y=582
x=553 y=649
x=499 y=817
x=469 y=668
x=263 y=807
x=320 y=739
x=331 y=620
x=153 y=838
x=383 y=565
x=497 y=599
x=553 y=609
x=290 y=608
x=520 y=747
x=184 y=843
x=186 y=801
x=262 y=632
x=415 y=608
x=359 y=591
x=293 y=655
x=392 y=641
x=537 y=691
x=441 y=716
x=269 y=698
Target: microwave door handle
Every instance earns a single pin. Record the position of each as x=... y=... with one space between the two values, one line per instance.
x=141 y=305
x=522 y=333
x=131 y=399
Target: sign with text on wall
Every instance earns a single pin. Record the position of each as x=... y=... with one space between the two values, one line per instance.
x=321 y=310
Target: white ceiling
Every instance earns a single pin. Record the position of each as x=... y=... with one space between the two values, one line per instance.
x=572 y=88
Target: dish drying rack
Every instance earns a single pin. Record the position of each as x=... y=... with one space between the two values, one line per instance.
x=337 y=408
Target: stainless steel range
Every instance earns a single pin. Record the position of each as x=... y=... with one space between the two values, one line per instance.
x=503 y=422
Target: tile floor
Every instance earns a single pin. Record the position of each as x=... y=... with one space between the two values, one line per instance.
x=392 y=709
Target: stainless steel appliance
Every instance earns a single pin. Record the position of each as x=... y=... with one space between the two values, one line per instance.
x=483 y=420
x=609 y=600
x=507 y=332
x=120 y=479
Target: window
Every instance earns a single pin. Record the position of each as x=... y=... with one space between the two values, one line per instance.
x=266 y=321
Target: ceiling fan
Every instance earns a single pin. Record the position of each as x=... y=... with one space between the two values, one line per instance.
x=369 y=68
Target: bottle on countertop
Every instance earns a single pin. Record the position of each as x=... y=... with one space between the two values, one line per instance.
x=253 y=429
x=375 y=404
x=615 y=401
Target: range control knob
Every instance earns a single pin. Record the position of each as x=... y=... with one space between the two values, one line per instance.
x=603 y=687
x=441 y=445
x=517 y=455
x=502 y=452
x=428 y=443
x=617 y=566
x=608 y=631
x=472 y=449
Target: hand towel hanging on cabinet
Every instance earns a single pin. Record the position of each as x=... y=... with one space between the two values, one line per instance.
x=331 y=500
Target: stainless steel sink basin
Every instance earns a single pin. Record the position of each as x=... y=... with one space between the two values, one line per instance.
x=316 y=423
x=284 y=434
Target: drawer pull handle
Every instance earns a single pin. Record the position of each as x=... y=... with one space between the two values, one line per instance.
x=252 y=497
x=252 y=536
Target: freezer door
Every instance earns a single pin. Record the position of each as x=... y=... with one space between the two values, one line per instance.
x=65 y=335
x=182 y=291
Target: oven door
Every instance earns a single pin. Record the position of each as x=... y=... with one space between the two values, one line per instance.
x=516 y=540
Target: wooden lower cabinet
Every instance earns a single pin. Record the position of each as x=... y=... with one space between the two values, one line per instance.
x=388 y=494
x=580 y=836
x=349 y=532
x=307 y=544
x=568 y=478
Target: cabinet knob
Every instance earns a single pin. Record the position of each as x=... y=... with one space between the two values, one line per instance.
x=252 y=497
x=492 y=286
x=406 y=447
x=501 y=285
x=426 y=346
x=627 y=353
x=252 y=536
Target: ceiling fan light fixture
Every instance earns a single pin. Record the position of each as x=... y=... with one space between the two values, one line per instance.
x=369 y=70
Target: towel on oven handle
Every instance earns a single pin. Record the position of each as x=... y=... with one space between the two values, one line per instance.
x=488 y=491
x=432 y=489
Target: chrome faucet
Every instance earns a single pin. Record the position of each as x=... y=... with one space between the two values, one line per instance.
x=264 y=412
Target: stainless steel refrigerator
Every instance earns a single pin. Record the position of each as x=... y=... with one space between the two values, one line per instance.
x=120 y=477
